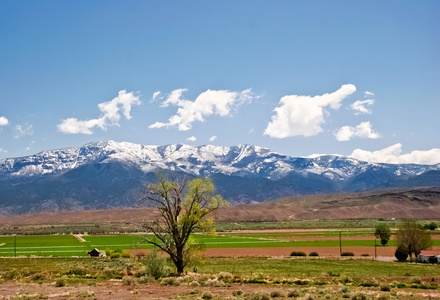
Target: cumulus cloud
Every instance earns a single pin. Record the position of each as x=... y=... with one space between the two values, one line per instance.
x=192 y=139
x=111 y=114
x=219 y=102
x=304 y=115
x=393 y=155
x=212 y=138
x=368 y=94
x=3 y=121
x=23 y=130
x=362 y=130
x=360 y=106
x=3 y=150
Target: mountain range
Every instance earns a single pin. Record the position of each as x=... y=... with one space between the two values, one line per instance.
x=111 y=174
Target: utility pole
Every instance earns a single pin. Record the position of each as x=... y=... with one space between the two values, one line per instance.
x=340 y=244
x=375 y=249
x=15 y=245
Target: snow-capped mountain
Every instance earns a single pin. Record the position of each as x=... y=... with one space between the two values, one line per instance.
x=108 y=174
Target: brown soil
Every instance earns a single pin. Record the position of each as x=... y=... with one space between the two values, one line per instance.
x=285 y=251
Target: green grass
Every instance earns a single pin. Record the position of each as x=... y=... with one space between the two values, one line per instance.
x=68 y=245
x=316 y=267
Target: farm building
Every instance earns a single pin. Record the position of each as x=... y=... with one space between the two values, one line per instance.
x=96 y=253
x=429 y=256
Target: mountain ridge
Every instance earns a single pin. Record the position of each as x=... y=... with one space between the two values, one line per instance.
x=113 y=174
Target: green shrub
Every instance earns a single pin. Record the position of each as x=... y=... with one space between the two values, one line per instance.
x=347 y=254
x=333 y=274
x=298 y=253
x=207 y=296
x=60 y=283
x=144 y=279
x=156 y=266
x=301 y=282
x=128 y=280
x=345 y=289
x=125 y=255
x=416 y=279
x=225 y=276
x=293 y=294
x=313 y=253
x=365 y=254
x=115 y=255
x=170 y=281
x=237 y=293
x=401 y=255
x=258 y=296
x=368 y=284
x=276 y=294
x=359 y=296
x=346 y=295
x=38 y=276
x=385 y=288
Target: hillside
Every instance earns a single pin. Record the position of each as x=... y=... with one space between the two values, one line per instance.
x=415 y=203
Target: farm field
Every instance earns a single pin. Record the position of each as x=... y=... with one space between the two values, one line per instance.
x=324 y=242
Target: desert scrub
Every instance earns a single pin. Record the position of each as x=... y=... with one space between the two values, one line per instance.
x=128 y=280
x=225 y=276
x=416 y=279
x=156 y=266
x=347 y=254
x=276 y=294
x=359 y=296
x=257 y=296
x=207 y=296
x=170 y=281
x=385 y=288
x=237 y=293
x=293 y=294
x=313 y=253
x=60 y=283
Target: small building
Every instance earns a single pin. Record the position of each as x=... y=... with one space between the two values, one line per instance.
x=96 y=253
x=428 y=256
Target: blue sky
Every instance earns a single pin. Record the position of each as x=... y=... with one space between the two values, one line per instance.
x=299 y=77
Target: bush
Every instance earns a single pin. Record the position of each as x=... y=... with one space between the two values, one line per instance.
x=345 y=289
x=293 y=294
x=144 y=279
x=313 y=253
x=297 y=253
x=400 y=255
x=125 y=255
x=156 y=265
x=170 y=281
x=207 y=295
x=237 y=293
x=225 y=276
x=359 y=296
x=346 y=295
x=115 y=255
x=276 y=294
x=60 y=283
x=385 y=288
x=365 y=254
x=416 y=279
x=128 y=280
x=347 y=254
x=258 y=296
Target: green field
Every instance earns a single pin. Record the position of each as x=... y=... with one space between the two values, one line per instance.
x=68 y=245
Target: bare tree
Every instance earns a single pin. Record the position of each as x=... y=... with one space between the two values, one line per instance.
x=183 y=207
x=412 y=239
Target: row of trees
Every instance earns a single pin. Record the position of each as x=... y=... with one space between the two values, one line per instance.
x=411 y=238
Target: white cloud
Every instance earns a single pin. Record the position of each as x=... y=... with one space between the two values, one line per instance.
x=3 y=121
x=192 y=139
x=393 y=155
x=156 y=96
x=368 y=94
x=212 y=138
x=111 y=113
x=362 y=130
x=3 y=150
x=23 y=130
x=360 y=108
x=304 y=115
x=211 y=102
